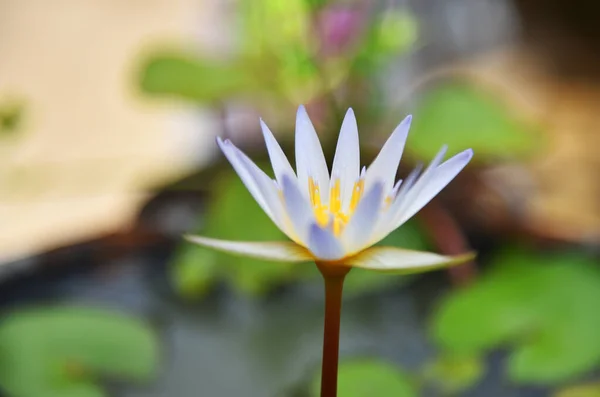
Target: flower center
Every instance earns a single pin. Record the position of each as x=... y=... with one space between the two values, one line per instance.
x=333 y=214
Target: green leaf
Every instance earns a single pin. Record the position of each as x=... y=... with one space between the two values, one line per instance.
x=396 y=32
x=370 y=378
x=190 y=77
x=272 y=26
x=455 y=374
x=462 y=116
x=542 y=305
x=51 y=352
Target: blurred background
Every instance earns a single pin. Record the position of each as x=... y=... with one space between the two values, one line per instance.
x=108 y=114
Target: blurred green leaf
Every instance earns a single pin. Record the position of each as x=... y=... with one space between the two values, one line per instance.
x=272 y=26
x=316 y=4
x=391 y=35
x=455 y=374
x=465 y=117
x=195 y=270
x=233 y=215
x=370 y=378
x=409 y=236
x=61 y=352
x=543 y=305
x=192 y=78
x=584 y=390
x=396 y=32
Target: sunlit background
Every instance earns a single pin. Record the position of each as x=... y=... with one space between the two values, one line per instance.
x=108 y=114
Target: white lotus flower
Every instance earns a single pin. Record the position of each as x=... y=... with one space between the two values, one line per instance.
x=337 y=218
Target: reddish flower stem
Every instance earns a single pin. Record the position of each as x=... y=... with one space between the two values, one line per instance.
x=333 y=275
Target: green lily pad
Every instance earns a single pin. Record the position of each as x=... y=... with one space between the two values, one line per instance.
x=370 y=378
x=50 y=352
x=543 y=306
x=190 y=77
x=455 y=374
x=462 y=116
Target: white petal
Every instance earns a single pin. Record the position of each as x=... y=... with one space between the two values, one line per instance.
x=346 y=163
x=401 y=261
x=310 y=161
x=276 y=250
x=280 y=163
x=268 y=191
x=385 y=165
x=358 y=231
x=323 y=244
x=298 y=209
x=386 y=223
x=440 y=177
x=228 y=150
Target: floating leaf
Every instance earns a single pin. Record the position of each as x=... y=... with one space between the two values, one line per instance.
x=544 y=306
x=370 y=378
x=462 y=116
x=455 y=374
x=190 y=77
x=62 y=351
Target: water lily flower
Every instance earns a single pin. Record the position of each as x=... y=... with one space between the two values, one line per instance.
x=336 y=218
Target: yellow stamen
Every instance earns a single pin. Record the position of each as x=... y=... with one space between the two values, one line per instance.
x=335 y=203
x=357 y=193
x=333 y=213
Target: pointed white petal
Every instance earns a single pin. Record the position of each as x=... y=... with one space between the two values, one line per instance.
x=407 y=184
x=323 y=244
x=358 y=231
x=346 y=163
x=386 y=220
x=401 y=261
x=310 y=161
x=229 y=151
x=280 y=163
x=276 y=250
x=267 y=190
x=438 y=180
x=298 y=209
x=385 y=165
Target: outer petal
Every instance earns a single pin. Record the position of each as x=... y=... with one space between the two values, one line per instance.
x=267 y=189
x=310 y=161
x=438 y=180
x=358 y=231
x=280 y=163
x=396 y=260
x=229 y=151
x=323 y=244
x=386 y=163
x=276 y=251
x=407 y=193
x=298 y=209
x=346 y=163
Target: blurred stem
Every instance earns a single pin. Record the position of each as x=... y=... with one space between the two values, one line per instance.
x=334 y=276
x=449 y=238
